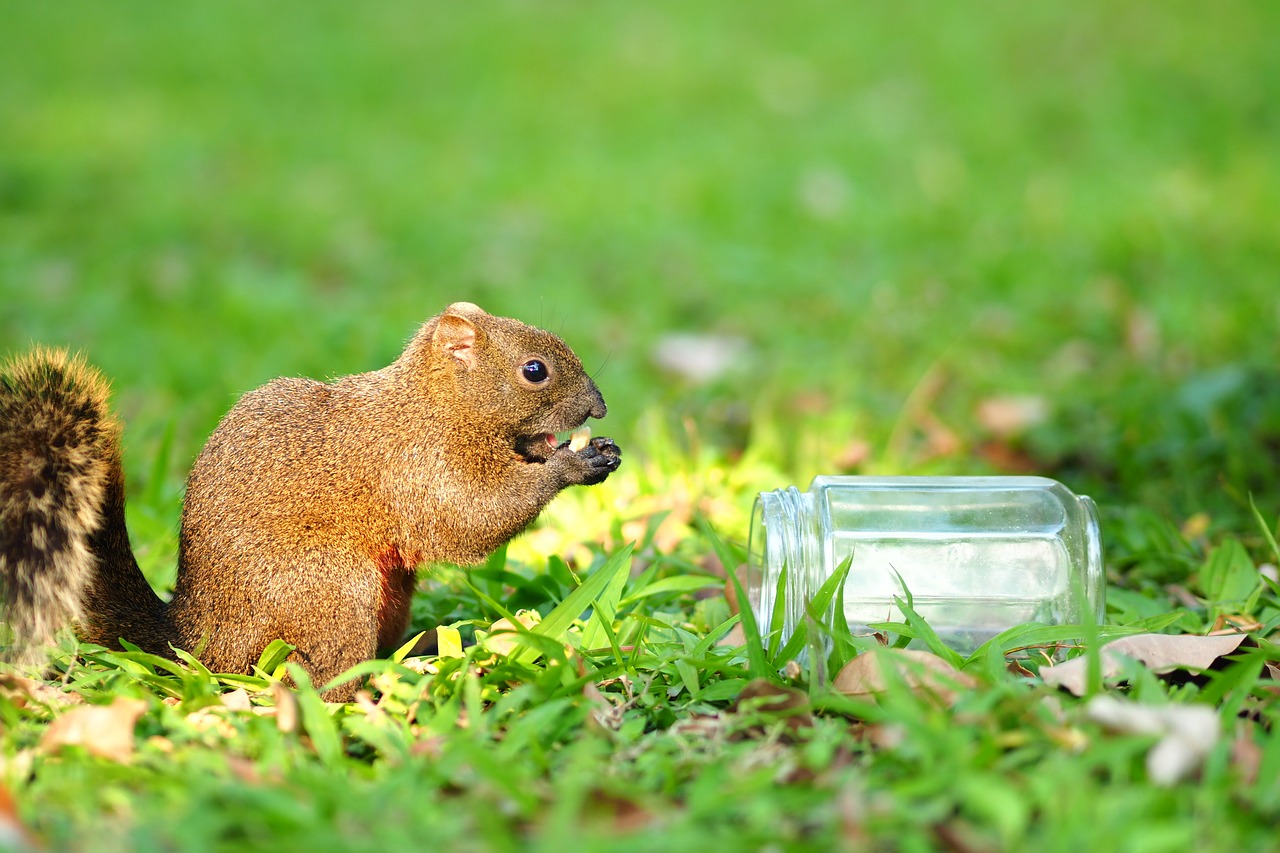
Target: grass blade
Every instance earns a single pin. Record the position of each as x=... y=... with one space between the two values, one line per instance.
x=757 y=658
x=599 y=630
x=1265 y=528
x=316 y=719
x=555 y=625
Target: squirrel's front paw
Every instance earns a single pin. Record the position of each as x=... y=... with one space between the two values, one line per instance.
x=600 y=458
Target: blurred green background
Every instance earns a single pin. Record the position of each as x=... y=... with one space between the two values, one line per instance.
x=921 y=237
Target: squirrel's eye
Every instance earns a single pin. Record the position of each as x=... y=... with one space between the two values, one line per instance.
x=535 y=371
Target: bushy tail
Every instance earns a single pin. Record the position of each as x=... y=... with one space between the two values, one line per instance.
x=59 y=456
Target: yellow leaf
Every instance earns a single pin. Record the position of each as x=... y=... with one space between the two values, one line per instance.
x=504 y=637
x=449 y=642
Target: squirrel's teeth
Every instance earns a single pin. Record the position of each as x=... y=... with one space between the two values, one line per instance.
x=551 y=440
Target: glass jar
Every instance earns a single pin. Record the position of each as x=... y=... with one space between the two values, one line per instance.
x=978 y=554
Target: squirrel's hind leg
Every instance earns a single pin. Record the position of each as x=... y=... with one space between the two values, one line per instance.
x=328 y=611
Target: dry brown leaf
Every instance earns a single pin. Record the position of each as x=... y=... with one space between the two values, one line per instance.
x=853 y=455
x=19 y=691
x=625 y=815
x=736 y=637
x=959 y=836
x=1167 y=652
x=103 y=730
x=161 y=743
x=885 y=735
x=1160 y=653
x=245 y=770
x=703 y=727
x=940 y=440
x=431 y=745
x=1017 y=670
x=762 y=695
x=1234 y=623
x=286 y=708
x=212 y=719
x=1246 y=755
x=1011 y=415
x=731 y=590
x=923 y=673
x=237 y=700
x=1005 y=456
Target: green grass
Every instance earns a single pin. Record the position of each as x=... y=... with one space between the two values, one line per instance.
x=902 y=212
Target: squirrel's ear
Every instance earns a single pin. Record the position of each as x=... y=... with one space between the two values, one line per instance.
x=466 y=309
x=456 y=336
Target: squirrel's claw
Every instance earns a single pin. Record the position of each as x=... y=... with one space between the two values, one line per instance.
x=602 y=457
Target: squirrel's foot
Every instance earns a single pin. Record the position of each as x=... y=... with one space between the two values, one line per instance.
x=598 y=459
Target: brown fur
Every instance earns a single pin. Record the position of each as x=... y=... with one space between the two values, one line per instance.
x=310 y=505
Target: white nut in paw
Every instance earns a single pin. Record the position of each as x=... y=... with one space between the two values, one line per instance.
x=580 y=438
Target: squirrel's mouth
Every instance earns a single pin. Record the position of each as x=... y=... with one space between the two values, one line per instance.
x=539 y=447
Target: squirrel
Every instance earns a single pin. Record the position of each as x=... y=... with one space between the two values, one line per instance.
x=309 y=509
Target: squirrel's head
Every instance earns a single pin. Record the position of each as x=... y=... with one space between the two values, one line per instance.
x=523 y=382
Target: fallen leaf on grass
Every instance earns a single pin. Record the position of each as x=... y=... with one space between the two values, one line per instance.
x=957 y=835
x=212 y=720
x=503 y=637
x=20 y=691
x=1011 y=415
x=703 y=727
x=763 y=696
x=921 y=672
x=448 y=642
x=735 y=638
x=1246 y=755
x=775 y=757
x=286 y=708
x=885 y=735
x=1234 y=623
x=103 y=730
x=853 y=455
x=1187 y=733
x=1017 y=670
x=731 y=589
x=237 y=700
x=161 y=743
x=623 y=813
x=1160 y=653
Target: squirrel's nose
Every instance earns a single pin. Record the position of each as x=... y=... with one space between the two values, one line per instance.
x=598 y=408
